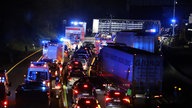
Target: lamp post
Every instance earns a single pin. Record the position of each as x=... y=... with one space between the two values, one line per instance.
x=173 y=20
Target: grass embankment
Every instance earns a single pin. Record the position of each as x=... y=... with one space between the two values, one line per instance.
x=14 y=53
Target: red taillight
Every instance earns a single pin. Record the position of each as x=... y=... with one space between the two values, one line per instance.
x=77 y=106
x=87 y=102
x=85 y=85
x=76 y=62
x=126 y=100
x=107 y=98
x=70 y=67
x=5 y=103
x=56 y=73
x=58 y=86
x=48 y=84
x=117 y=93
x=76 y=91
x=60 y=68
x=69 y=78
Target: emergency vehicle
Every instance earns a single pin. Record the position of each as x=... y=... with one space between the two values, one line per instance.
x=38 y=72
x=53 y=51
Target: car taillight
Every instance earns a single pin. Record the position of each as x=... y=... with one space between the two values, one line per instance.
x=85 y=85
x=117 y=93
x=77 y=106
x=76 y=62
x=5 y=103
x=47 y=83
x=87 y=102
x=69 y=67
x=58 y=86
x=76 y=91
x=70 y=79
x=126 y=100
x=107 y=99
x=60 y=68
x=56 y=73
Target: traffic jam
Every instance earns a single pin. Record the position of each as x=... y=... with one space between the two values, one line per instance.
x=76 y=75
x=75 y=78
x=98 y=74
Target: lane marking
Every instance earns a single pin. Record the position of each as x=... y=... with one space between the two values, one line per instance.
x=65 y=96
x=22 y=61
x=89 y=70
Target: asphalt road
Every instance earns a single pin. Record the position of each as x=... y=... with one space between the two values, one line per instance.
x=177 y=74
x=16 y=76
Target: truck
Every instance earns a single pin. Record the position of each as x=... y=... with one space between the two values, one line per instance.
x=54 y=52
x=138 y=70
x=147 y=40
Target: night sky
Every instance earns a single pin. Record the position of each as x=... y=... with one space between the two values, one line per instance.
x=27 y=20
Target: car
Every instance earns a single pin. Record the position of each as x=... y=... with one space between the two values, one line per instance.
x=84 y=63
x=75 y=65
x=117 y=98
x=97 y=81
x=86 y=102
x=54 y=70
x=73 y=76
x=83 y=89
x=80 y=55
x=31 y=93
x=4 y=89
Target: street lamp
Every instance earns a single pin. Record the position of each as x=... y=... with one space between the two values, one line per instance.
x=174 y=20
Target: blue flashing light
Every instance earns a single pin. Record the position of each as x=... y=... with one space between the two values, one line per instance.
x=61 y=39
x=76 y=23
x=43 y=88
x=81 y=23
x=153 y=30
x=44 y=41
x=173 y=20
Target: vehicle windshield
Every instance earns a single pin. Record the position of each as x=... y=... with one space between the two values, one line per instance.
x=38 y=75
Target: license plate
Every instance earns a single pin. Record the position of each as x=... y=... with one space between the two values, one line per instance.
x=116 y=100
x=85 y=94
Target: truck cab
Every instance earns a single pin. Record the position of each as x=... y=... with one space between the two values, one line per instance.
x=4 y=89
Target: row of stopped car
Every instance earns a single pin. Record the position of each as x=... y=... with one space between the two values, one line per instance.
x=78 y=66
x=38 y=86
x=84 y=94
